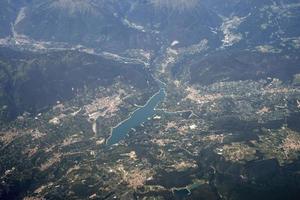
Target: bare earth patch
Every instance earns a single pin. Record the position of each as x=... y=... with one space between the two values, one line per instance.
x=8 y=137
x=237 y=152
x=183 y=165
x=51 y=161
x=291 y=144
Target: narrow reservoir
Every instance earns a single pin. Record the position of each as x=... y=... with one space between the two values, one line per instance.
x=137 y=117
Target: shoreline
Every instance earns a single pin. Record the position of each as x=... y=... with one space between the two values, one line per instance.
x=130 y=115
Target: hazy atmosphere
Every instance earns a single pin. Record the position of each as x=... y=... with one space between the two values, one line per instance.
x=149 y=99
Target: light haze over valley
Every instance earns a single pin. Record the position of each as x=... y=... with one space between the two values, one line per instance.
x=150 y=99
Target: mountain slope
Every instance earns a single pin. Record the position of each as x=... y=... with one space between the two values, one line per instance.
x=33 y=81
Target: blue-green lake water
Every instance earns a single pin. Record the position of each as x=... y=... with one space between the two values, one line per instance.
x=136 y=118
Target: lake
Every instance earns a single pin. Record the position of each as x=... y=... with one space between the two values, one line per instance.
x=137 y=117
